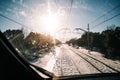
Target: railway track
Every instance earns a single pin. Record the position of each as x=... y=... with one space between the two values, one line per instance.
x=68 y=66
x=103 y=63
x=57 y=69
x=69 y=61
x=75 y=65
x=97 y=64
x=64 y=65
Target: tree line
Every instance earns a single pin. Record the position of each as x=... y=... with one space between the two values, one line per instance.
x=106 y=42
x=33 y=43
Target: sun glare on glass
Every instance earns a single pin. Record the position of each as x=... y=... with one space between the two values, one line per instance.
x=51 y=22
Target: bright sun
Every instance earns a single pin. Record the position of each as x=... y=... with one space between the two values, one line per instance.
x=51 y=22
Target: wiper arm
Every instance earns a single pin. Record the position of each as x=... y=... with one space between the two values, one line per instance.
x=47 y=73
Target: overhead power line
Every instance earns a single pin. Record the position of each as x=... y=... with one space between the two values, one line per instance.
x=114 y=8
x=69 y=12
x=56 y=4
x=105 y=21
x=71 y=5
x=12 y=20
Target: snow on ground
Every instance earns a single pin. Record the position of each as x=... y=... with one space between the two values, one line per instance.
x=43 y=61
x=63 y=61
x=113 y=63
x=83 y=50
x=82 y=65
x=64 y=65
x=48 y=61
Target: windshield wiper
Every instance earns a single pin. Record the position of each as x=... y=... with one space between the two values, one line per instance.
x=47 y=73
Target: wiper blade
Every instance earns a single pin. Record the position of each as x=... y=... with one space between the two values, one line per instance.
x=47 y=73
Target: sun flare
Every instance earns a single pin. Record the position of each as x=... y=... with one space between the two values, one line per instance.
x=51 y=22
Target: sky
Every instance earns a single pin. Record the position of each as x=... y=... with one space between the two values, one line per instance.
x=59 y=18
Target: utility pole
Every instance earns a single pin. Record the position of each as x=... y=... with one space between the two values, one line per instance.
x=88 y=36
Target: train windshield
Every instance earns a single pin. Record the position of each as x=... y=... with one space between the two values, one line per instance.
x=65 y=37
